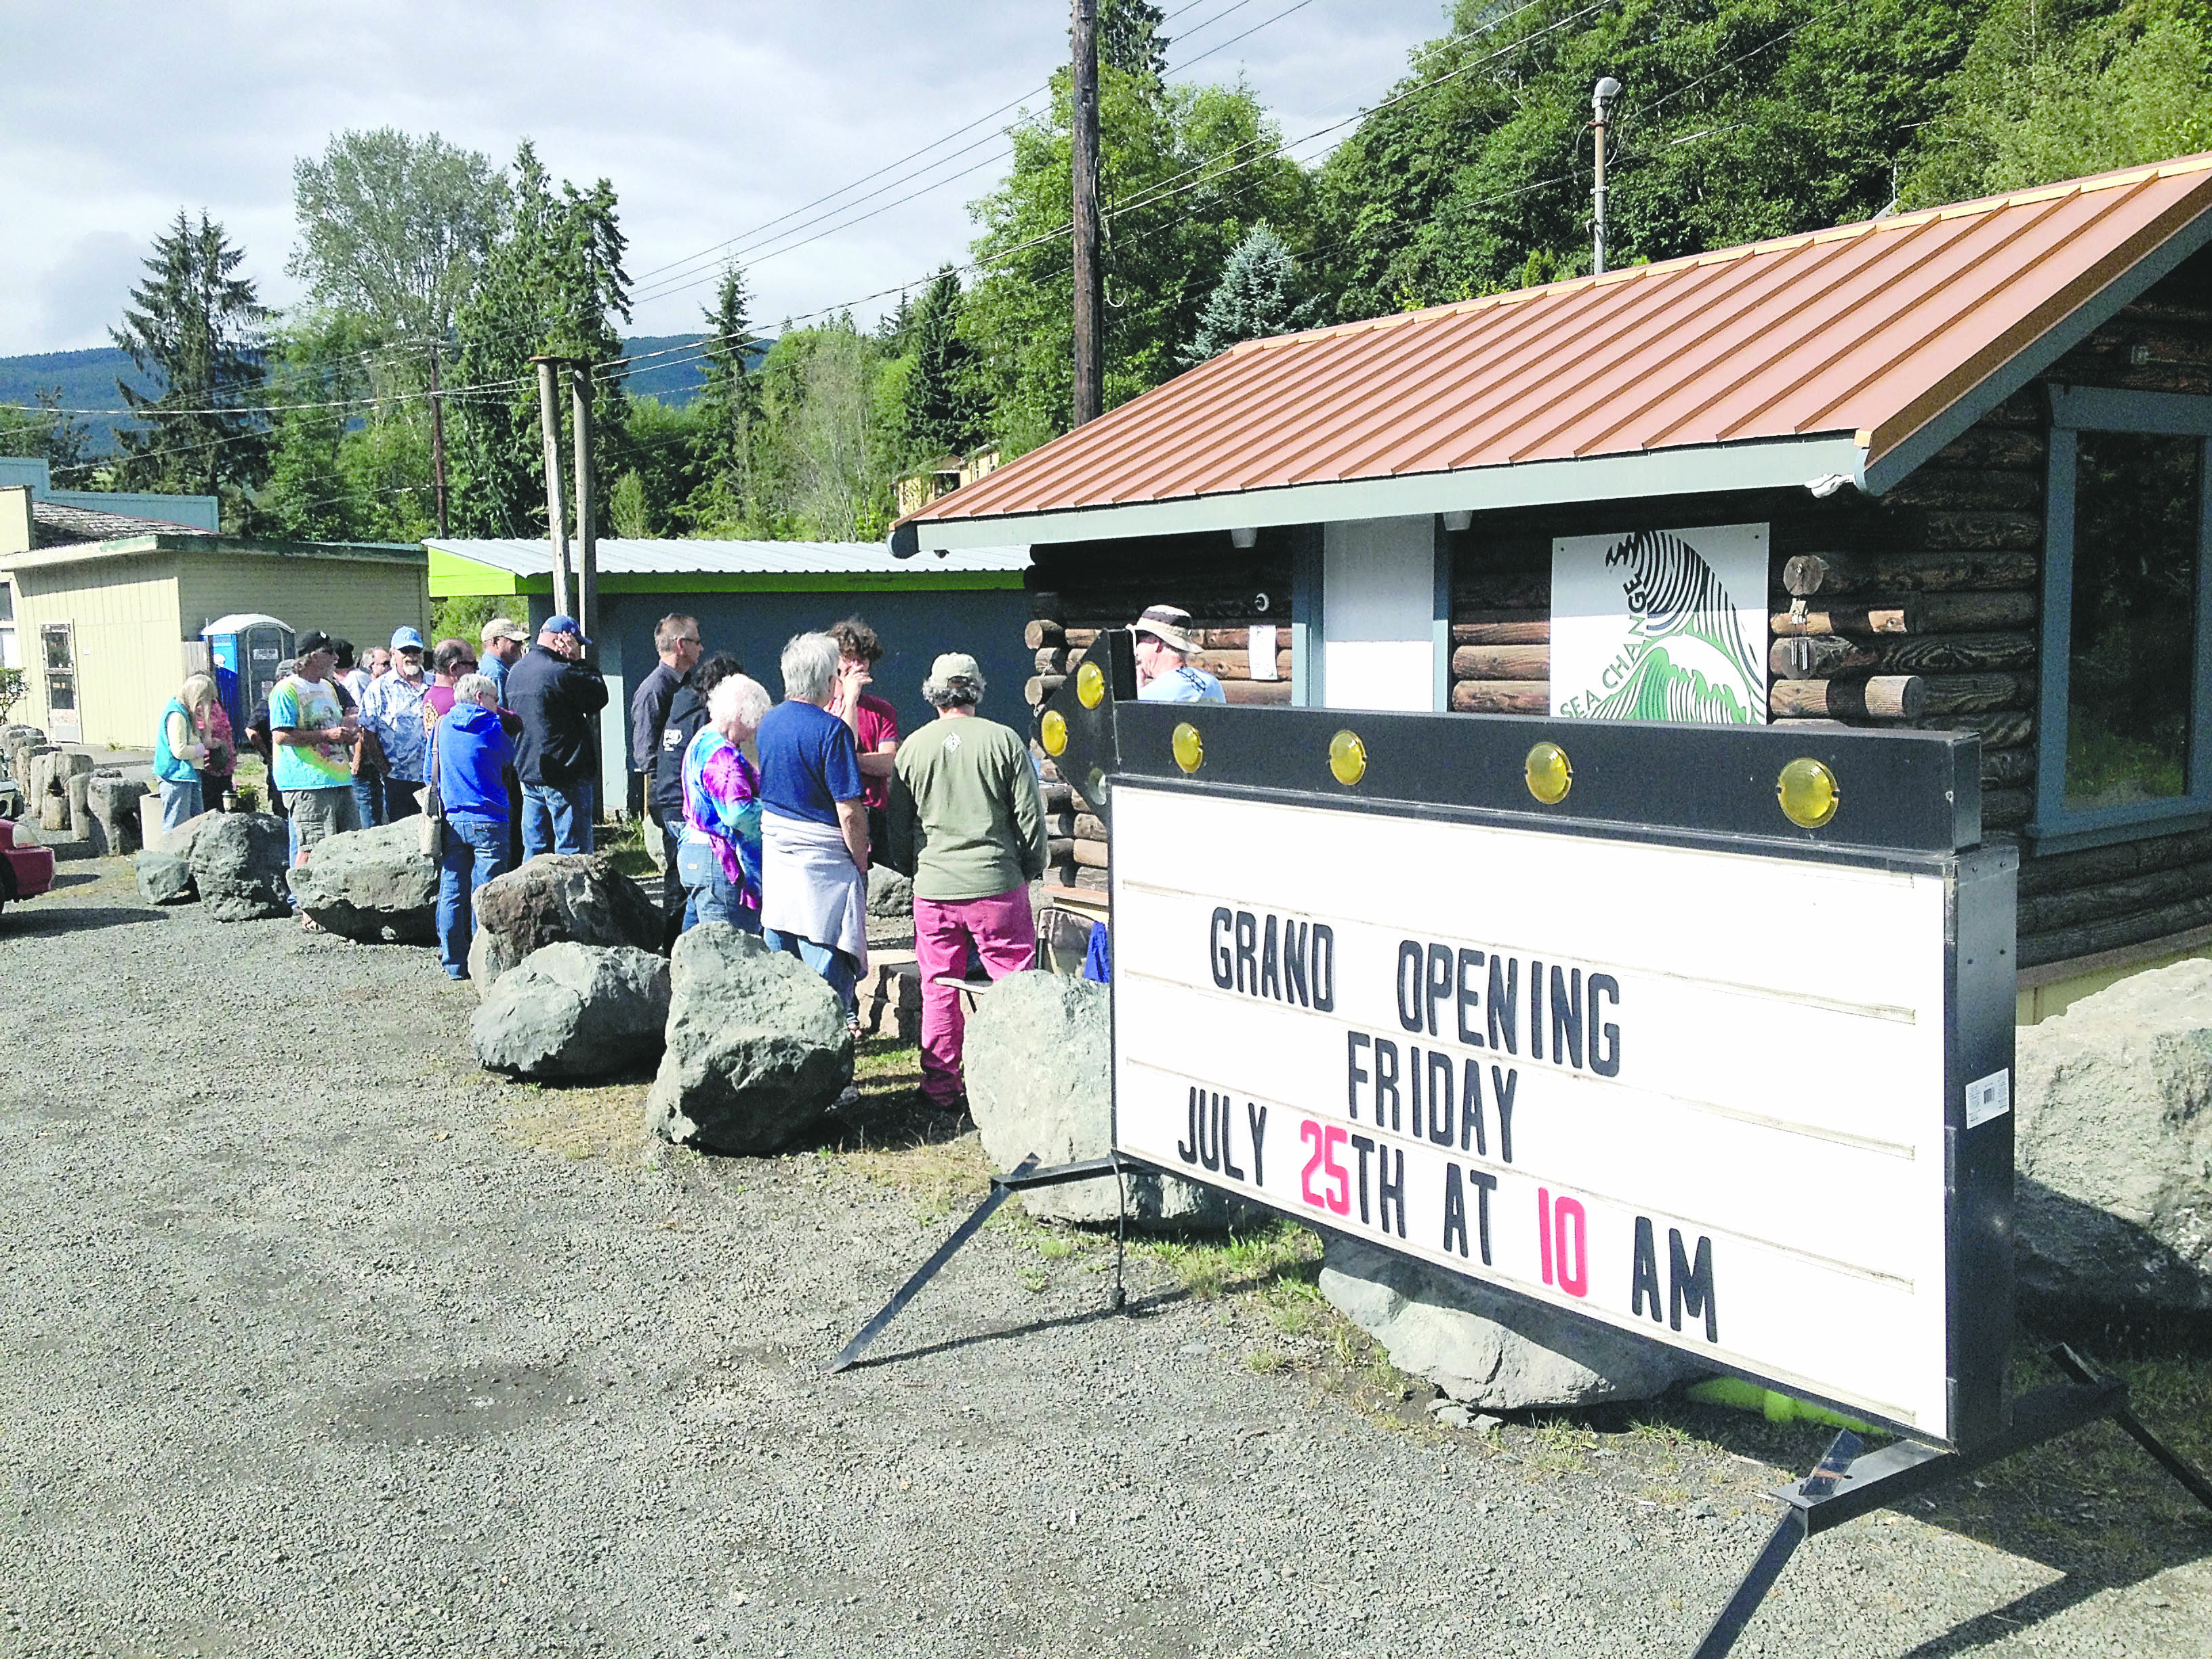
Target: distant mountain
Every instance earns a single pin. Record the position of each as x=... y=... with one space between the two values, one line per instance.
x=672 y=369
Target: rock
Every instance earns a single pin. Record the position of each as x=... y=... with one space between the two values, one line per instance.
x=376 y=885
x=577 y=897
x=165 y=879
x=2112 y=1221
x=113 y=800
x=573 y=1011
x=1487 y=1349
x=758 y=1047
x=53 y=813
x=79 y=786
x=237 y=863
x=1037 y=1059
x=179 y=840
x=890 y=894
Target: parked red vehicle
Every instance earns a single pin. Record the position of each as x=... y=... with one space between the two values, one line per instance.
x=25 y=871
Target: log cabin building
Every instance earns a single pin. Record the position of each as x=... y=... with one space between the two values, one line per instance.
x=1966 y=448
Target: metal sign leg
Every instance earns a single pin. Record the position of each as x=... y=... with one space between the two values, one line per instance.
x=1789 y=1532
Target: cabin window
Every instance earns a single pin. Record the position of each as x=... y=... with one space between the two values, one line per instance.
x=2126 y=733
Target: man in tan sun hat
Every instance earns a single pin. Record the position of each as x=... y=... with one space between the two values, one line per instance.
x=503 y=643
x=1164 y=649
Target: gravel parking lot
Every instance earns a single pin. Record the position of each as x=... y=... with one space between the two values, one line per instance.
x=319 y=1341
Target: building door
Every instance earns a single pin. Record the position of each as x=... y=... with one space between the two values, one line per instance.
x=1378 y=615
x=64 y=724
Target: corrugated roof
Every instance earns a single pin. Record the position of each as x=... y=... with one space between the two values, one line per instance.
x=1869 y=331
x=622 y=557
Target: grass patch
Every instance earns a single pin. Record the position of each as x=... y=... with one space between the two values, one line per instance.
x=895 y=1137
x=1255 y=1261
x=625 y=843
x=605 y=1120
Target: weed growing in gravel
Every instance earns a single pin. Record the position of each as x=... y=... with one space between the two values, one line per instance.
x=1268 y=1362
x=1251 y=1260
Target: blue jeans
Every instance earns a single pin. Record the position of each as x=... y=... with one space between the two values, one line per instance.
x=827 y=960
x=557 y=817
x=180 y=803
x=474 y=851
x=368 y=796
x=718 y=901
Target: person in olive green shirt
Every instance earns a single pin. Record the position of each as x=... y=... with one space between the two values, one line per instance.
x=967 y=821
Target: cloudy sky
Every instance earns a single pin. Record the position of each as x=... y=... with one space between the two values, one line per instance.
x=713 y=119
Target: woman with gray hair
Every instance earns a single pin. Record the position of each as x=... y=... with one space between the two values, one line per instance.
x=470 y=751
x=968 y=820
x=718 y=856
x=814 y=822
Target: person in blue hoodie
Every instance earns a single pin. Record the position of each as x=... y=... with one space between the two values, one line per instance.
x=469 y=748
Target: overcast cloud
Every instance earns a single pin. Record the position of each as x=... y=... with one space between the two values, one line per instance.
x=711 y=120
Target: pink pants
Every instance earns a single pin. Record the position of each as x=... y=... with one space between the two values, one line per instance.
x=1004 y=929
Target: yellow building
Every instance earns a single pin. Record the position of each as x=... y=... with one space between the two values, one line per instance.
x=106 y=611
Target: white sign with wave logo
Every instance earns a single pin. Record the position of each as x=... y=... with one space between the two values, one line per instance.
x=1661 y=625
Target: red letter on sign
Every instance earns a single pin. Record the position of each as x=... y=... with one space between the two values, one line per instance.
x=1335 y=1136
x=1572 y=1228
x=1309 y=1132
x=1544 y=1230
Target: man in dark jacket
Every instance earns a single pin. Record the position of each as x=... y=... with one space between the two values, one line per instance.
x=555 y=692
x=664 y=784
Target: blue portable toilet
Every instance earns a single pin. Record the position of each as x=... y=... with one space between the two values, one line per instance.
x=243 y=650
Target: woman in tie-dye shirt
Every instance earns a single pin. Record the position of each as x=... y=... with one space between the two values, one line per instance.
x=719 y=854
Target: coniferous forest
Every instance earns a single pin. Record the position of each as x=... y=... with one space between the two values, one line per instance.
x=1739 y=119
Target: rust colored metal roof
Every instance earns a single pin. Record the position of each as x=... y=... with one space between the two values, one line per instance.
x=1869 y=331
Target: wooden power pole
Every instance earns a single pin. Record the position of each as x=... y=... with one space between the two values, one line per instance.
x=437 y=441
x=557 y=515
x=1090 y=287
x=588 y=537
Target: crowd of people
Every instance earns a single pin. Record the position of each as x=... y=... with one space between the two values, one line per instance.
x=770 y=811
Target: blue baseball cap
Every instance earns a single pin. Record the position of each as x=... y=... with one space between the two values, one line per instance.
x=561 y=625
x=406 y=639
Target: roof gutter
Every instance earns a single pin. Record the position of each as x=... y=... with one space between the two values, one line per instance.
x=1705 y=468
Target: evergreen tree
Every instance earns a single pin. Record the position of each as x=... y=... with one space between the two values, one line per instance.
x=1255 y=298
x=1129 y=38
x=554 y=286
x=728 y=407
x=940 y=413
x=197 y=325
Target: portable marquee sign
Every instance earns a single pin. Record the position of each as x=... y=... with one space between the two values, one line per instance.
x=1700 y=1032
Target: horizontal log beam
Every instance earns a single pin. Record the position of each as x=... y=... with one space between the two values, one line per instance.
x=1888 y=696
x=1090 y=855
x=1956 y=653
x=2075 y=906
x=1503 y=590
x=2007 y=809
x=1043 y=635
x=2097 y=865
x=1977 y=694
x=1817 y=575
x=1041 y=687
x=1244 y=693
x=2036 y=949
x=1991 y=446
x=1502 y=697
x=1969 y=487
x=1521 y=631
x=1852 y=619
x=2004 y=728
x=1227 y=665
x=1819 y=657
x=2003 y=766
x=1502 y=662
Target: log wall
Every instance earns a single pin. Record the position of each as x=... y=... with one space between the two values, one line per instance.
x=1922 y=608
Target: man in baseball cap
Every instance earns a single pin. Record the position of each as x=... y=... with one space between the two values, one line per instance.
x=1165 y=648
x=503 y=642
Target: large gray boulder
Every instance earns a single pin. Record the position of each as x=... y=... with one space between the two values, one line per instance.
x=1486 y=1348
x=376 y=885
x=2113 y=1151
x=891 y=895
x=113 y=801
x=1037 y=1059
x=165 y=879
x=757 y=1049
x=179 y=840
x=573 y=1011
x=579 y=898
x=238 y=864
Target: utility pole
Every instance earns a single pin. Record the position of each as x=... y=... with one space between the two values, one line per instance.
x=557 y=515
x=1602 y=99
x=438 y=441
x=587 y=539
x=1090 y=287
